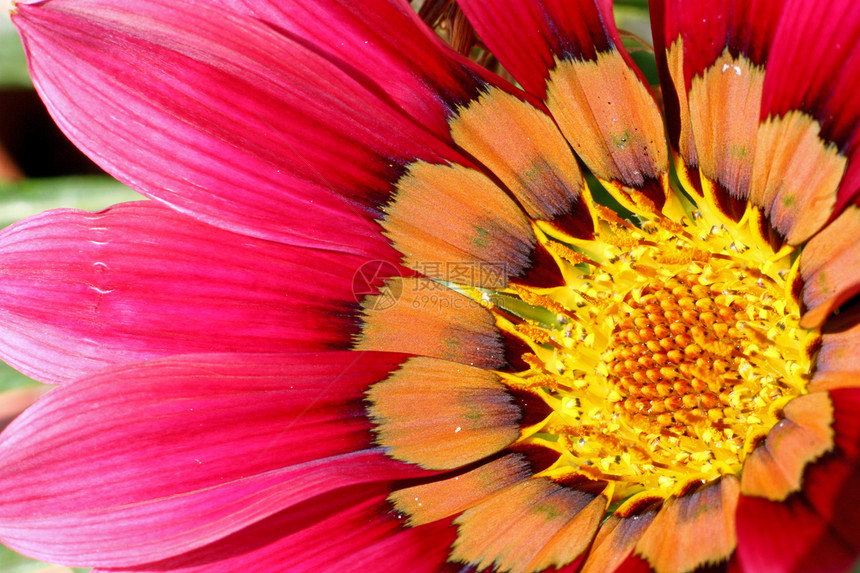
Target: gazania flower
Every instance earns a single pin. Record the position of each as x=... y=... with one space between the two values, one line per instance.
x=536 y=374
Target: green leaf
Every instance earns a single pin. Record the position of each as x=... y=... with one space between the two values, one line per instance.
x=30 y=196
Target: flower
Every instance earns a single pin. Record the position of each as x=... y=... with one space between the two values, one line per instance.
x=535 y=375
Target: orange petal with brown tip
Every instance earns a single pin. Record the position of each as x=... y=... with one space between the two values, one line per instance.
x=616 y=539
x=795 y=175
x=828 y=265
x=540 y=169
x=573 y=539
x=421 y=317
x=442 y=415
x=532 y=525
x=436 y=500
x=611 y=120
x=824 y=381
x=838 y=362
x=724 y=113
x=686 y=142
x=449 y=215
x=775 y=468
x=693 y=530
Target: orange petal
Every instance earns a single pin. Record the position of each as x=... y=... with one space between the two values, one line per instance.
x=611 y=120
x=528 y=527
x=824 y=381
x=693 y=530
x=775 y=468
x=712 y=98
x=724 y=114
x=436 y=500
x=442 y=415
x=795 y=175
x=828 y=265
x=838 y=361
x=616 y=539
x=686 y=141
x=540 y=169
x=451 y=326
x=449 y=215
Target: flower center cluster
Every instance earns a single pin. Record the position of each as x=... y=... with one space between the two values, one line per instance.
x=675 y=357
x=667 y=355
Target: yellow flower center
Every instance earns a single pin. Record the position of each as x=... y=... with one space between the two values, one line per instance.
x=667 y=355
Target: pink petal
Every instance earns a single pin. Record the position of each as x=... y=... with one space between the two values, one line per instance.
x=145 y=462
x=832 y=486
x=351 y=529
x=253 y=130
x=82 y=291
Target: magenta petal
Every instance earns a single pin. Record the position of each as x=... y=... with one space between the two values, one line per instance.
x=82 y=291
x=348 y=530
x=181 y=452
x=254 y=130
x=385 y=42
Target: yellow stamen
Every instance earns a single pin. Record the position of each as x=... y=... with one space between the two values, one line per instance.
x=672 y=351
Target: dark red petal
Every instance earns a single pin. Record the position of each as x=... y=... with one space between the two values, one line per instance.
x=253 y=130
x=809 y=118
x=815 y=67
x=82 y=291
x=785 y=537
x=709 y=28
x=527 y=36
x=145 y=462
x=706 y=30
x=846 y=421
x=832 y=488
x=634 y=564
